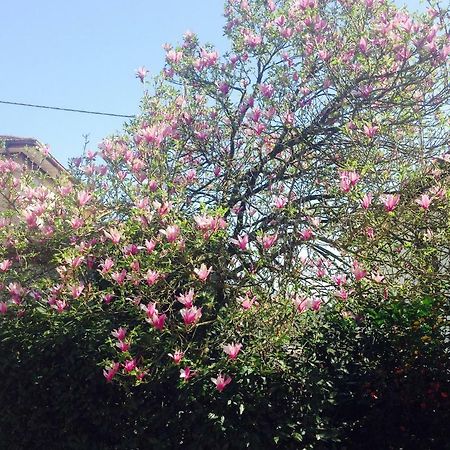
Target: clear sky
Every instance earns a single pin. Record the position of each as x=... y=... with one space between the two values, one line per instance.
x=82 y=54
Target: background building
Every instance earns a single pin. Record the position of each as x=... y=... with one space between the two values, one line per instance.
x=28 y=152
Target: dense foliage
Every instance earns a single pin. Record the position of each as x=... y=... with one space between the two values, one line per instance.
x=261 y=259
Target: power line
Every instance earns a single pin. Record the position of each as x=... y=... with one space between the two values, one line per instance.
x=66 y=109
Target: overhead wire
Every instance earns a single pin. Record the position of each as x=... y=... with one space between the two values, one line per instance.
x=57 y=108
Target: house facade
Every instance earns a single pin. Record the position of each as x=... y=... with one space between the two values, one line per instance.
x=28 y=153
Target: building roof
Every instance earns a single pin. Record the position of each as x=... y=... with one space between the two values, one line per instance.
x=26 y=150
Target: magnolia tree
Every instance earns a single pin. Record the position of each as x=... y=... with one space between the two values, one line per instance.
x=299 y=176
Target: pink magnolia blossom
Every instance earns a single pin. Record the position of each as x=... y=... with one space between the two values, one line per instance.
x=114 y=234
x=191 y=315
x=135 y=266
x=153 y=185
x=187 y=298
x=110 y=372
x=321 y=272
x=268 y=240
x=205 y=222
x=16 y=291
x=157 y=320
x=76 y=223
x=75 y=262
x=348 y=180
x=108 y=298
x=90 y=261
x=340 y=280
x=84 y=197
x=141 y=73
x=130 y=250
x=106 y=265
x=377 y=277
x=324 y=55
x=120 y=333
x=123 y=346
x=77 y=290
x=173 y=56
x=390 y=201
x=162 y=208
x=142 y=203
x=280 y=202
x=5 y=265
x=403 y=53
x=224 y=88
x=280 y=20
x=370 y=130
x=358 y=271
x=232 y=350
x=248 y=301
x=186 y=373
x=150 y=245
x=221 y=382
x=208 y=59
x=366 y=200
x=30 y=218
x=151 y=277
x=271 y=5
x=370 y=232
x=191 y=175
x=252 y=40
x=60 y=305
x=149 y=309
x=424 y=201
x=342 y=294
x=304 y=303
x=306 y=234
x=203 y=272
x=119 y=277
x=345 y=184
x=177 y=356
x=316 y=304
x=266 y=90
x=255 y=114
x=171 y=232
x=241 y=242
x=140 y=374
x=220 y=224
x=129 y=365
x=3 y=308
x=363 y=46
x=65 y=190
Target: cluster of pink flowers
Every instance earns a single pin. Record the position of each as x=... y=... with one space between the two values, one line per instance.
x=153 y=317
x=305 y=303
x=208 y=224
x=348 y=180
x=122 y=344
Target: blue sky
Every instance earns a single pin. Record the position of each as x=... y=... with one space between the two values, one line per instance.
x=83 y=55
